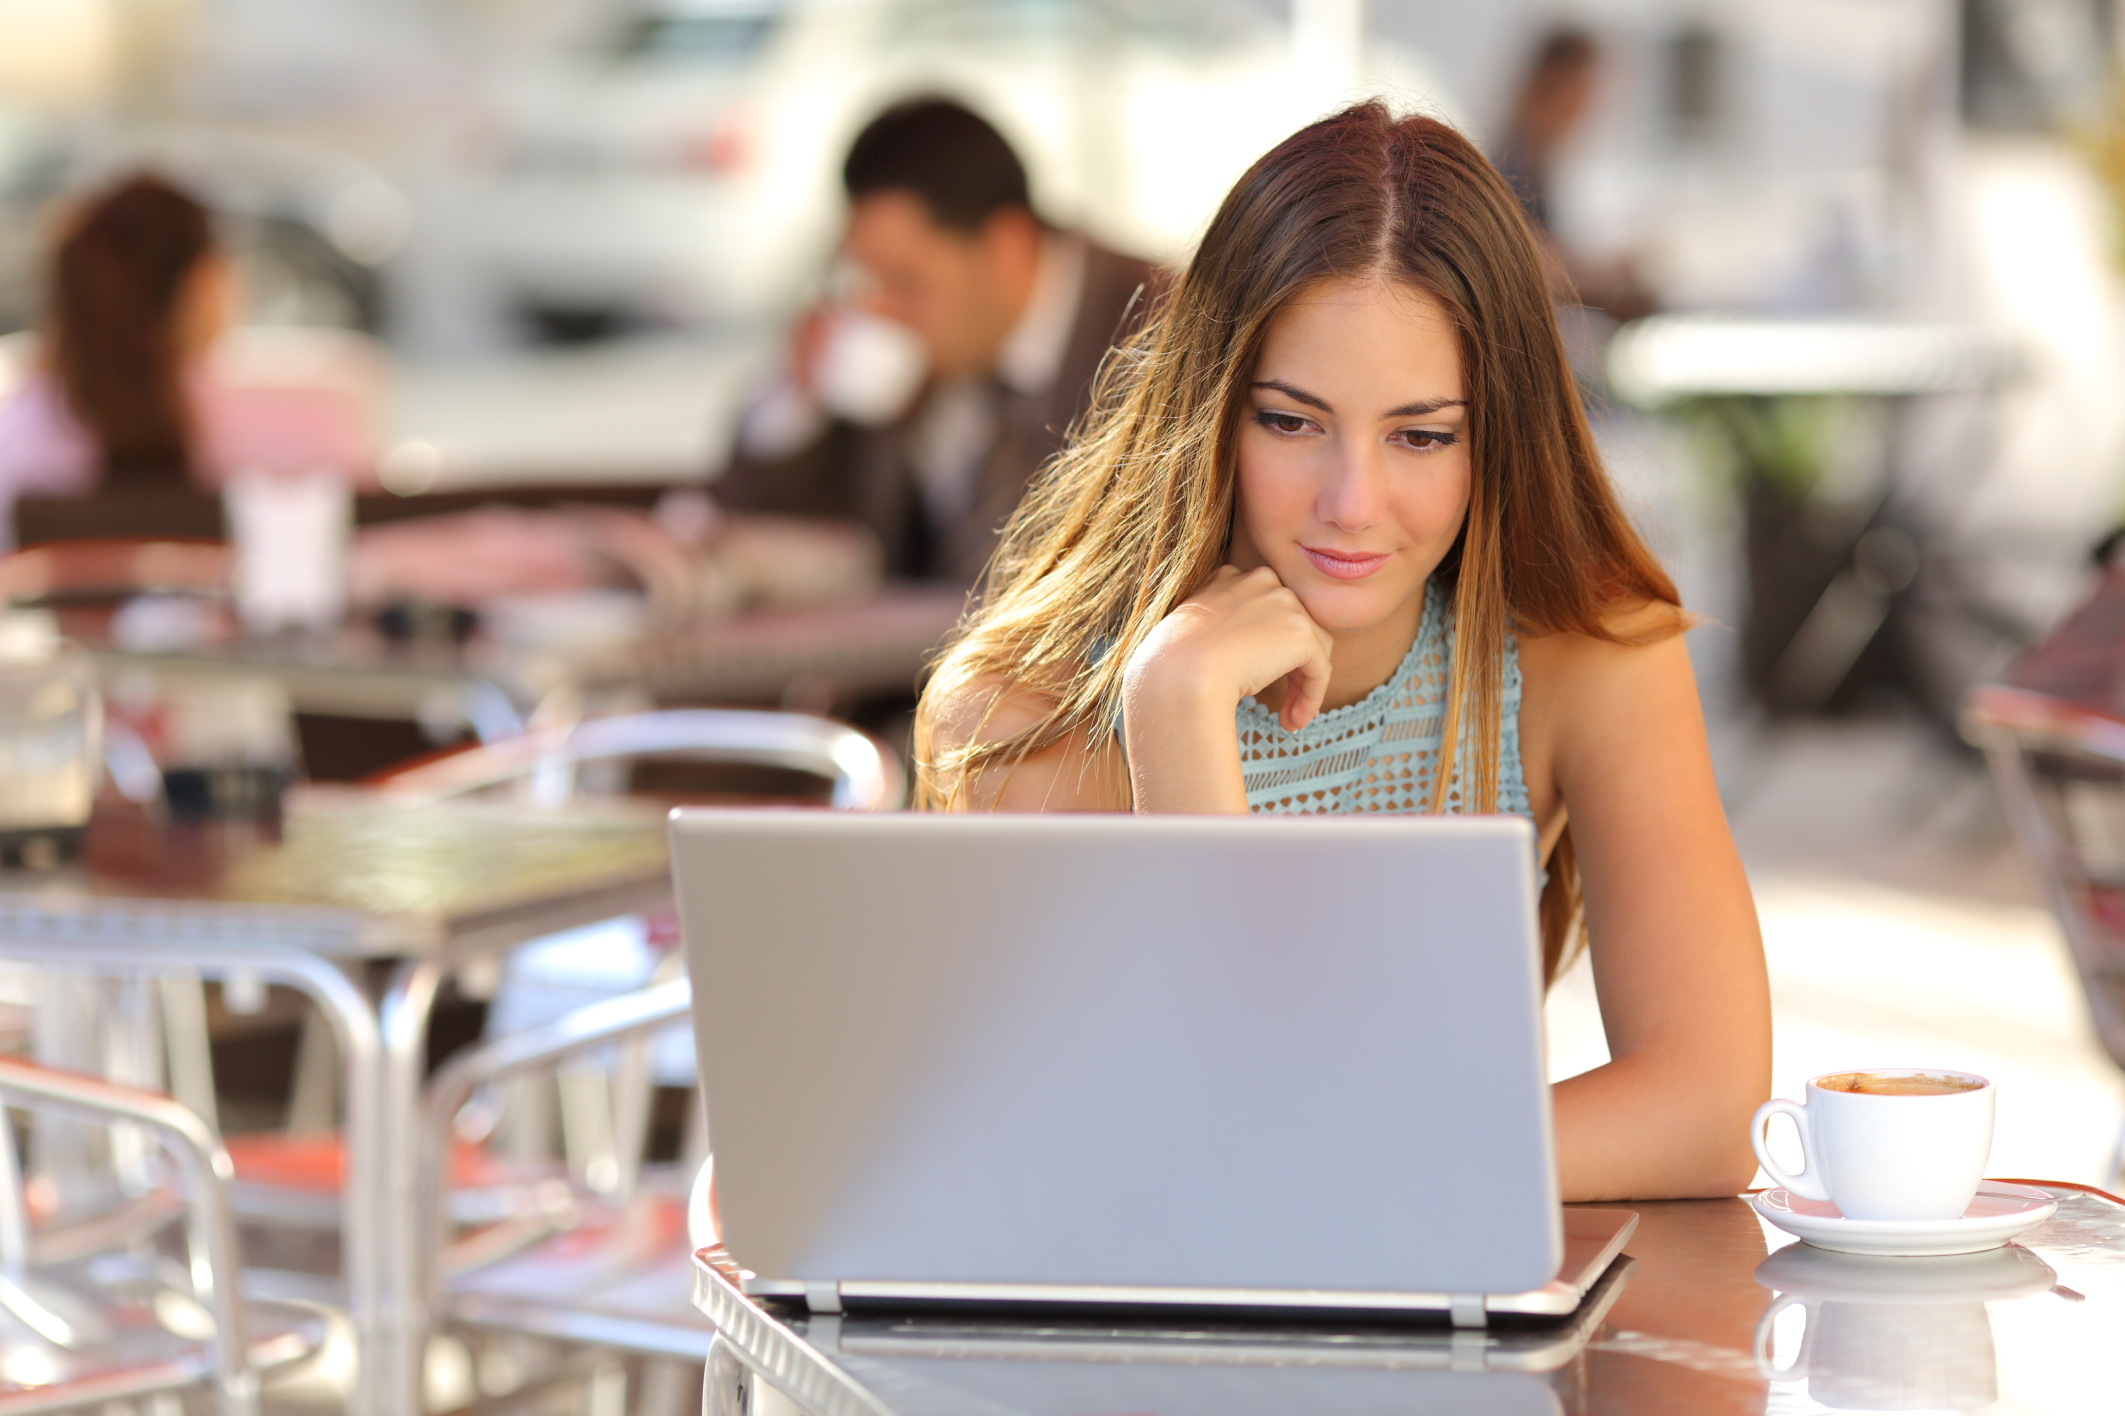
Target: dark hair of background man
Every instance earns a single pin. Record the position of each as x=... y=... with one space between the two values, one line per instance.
x=950 y=158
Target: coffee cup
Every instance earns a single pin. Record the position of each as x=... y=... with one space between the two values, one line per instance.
x=1889 y=1143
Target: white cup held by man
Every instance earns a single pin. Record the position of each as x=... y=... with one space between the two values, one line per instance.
x=1893 y=1154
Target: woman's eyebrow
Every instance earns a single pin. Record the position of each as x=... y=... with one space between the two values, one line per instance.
x=1417 y=409
x=1300 y=394
x=1424 y=406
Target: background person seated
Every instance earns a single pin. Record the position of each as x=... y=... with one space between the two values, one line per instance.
x=1012 y=317
x=133 y=387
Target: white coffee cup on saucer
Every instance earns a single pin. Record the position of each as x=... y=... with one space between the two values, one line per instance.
x=1887 y=1143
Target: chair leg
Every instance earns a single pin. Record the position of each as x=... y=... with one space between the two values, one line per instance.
x=313 y=1100
x=669 y=1387
x=184 y=1030
x=608 y=1390
x=67 y=1022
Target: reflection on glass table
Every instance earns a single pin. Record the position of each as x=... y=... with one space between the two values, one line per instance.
x=1701 y=1320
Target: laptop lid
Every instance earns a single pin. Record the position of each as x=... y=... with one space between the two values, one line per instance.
x=1123 y=1058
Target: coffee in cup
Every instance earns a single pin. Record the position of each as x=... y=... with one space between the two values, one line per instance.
x=1898 y=1083
x=1890 y=1143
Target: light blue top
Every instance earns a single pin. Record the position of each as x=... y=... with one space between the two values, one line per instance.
x=1382 y=752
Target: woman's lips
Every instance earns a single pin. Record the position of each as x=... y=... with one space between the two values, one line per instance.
x=1345 y=565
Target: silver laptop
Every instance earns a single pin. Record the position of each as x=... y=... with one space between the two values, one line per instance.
x=1274 y=1064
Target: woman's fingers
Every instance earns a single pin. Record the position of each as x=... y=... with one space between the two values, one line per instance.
x=1307 y=684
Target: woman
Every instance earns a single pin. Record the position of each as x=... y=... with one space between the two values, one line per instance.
x=129 y=389
x=1338 y=519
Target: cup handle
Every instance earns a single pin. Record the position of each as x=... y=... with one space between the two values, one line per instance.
x=1798 y=1367
x=1808 y=1184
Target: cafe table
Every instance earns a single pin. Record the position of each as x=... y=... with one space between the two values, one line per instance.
x=1711 y=1311
x=344 y=888
x=875 y=645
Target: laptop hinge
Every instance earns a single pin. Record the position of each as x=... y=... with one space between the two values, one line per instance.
x=826 y=1298
x=1467 y=1310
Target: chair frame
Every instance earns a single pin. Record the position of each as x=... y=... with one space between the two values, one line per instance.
x=630 y=1017
x=212 y=1231
x=2009 y=724
x=866 y=776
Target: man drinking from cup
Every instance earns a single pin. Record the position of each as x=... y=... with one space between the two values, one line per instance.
x=922 y=399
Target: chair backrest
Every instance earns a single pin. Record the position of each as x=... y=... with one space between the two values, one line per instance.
x=865 y=775
x=2060 y=771
x=113 y=568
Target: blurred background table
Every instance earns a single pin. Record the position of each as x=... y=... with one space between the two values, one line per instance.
x=367 y=907
x=382 y=703
x=1713 y=1312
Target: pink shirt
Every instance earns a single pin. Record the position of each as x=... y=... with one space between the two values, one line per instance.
x=278 y=428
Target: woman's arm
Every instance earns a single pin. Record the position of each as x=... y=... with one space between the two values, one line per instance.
x=1614 y=735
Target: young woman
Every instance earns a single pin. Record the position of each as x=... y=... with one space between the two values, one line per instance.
x=126 y=391
x=1336 y=539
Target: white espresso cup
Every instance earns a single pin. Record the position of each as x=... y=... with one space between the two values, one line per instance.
x=1886 y=1156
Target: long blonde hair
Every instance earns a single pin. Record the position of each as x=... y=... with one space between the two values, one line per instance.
x=1137 y=512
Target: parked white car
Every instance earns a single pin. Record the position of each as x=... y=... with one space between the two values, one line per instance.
x=689 y=170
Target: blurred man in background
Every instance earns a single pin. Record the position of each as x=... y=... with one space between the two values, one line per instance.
x=1555 y=100
x=923 y=403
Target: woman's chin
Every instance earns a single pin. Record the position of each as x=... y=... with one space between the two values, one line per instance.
x=1352 y=607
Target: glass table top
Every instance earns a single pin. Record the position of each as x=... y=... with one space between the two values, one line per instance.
x=1714 y=1312
x=348 y=872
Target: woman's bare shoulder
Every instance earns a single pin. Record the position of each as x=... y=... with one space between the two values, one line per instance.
x=988 y=709
x=1650 y=631
x=1068 y=774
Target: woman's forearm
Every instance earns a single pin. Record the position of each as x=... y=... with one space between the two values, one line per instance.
x=1184 y=755
x=1641 y=1128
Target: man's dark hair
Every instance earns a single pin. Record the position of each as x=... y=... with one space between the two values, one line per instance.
x=951 y=158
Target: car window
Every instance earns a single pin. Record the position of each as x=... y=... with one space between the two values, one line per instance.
x=696 y=37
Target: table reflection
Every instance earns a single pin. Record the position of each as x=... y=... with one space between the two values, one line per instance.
x=1890 y=1334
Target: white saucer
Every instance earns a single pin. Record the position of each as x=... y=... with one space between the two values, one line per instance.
x=1999 y=1212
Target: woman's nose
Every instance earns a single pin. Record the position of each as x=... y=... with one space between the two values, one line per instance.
x=1351 y=499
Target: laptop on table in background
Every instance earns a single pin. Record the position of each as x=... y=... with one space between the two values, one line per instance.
x=1220 y=1064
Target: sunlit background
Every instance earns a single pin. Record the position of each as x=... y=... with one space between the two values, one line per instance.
x=574 y=230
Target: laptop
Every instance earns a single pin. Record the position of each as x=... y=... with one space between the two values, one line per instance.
x=1279 y=1065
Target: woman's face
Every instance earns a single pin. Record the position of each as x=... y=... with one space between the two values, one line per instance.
x=1353 y=453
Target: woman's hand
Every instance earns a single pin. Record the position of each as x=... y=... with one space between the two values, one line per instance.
x=1238 y=635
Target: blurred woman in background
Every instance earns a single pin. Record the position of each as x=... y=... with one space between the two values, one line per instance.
x=128 y=389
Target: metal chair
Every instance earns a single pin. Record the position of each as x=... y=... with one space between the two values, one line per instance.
x=595 y=1225
x=2060 y=772
x=864 y=775
x=605 y=1266
x=82 y=1325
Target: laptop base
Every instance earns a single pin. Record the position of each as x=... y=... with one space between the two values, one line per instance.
x=1592 y=1240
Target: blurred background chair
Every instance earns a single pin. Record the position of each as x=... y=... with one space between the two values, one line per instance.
x=601 y=1266
x=105 y=570
x=547 y=1168
x=91 y=1315
x=2060 y=770
x=616 y=755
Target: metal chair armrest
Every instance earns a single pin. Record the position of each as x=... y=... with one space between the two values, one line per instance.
x=585 y=1029
x=208 y=1173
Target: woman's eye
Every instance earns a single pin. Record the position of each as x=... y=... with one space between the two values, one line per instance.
x=1282 y=422
x=1426 y=439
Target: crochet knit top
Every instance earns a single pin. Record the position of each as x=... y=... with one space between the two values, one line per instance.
x=1382 y=752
